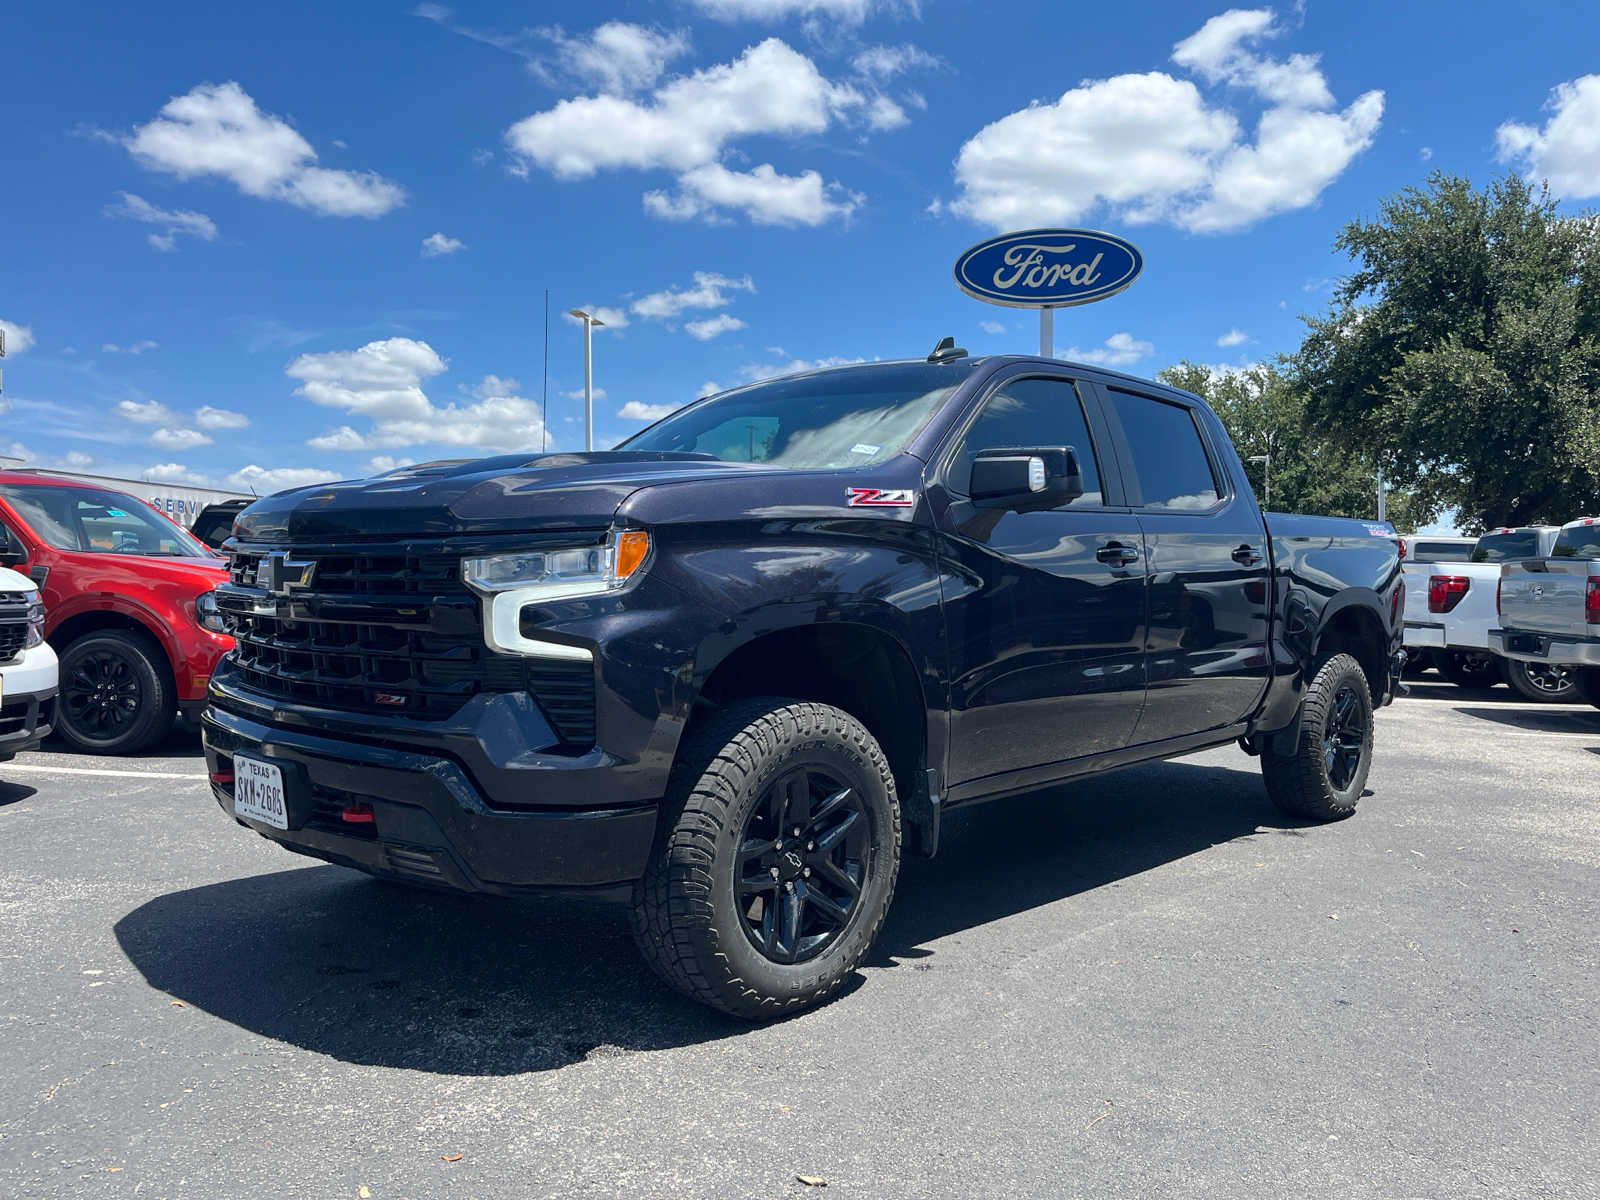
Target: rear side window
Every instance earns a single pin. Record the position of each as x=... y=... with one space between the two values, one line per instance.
x=1036 y=413
x=1505 y=547
x=1174 y=470
x=1579 y=541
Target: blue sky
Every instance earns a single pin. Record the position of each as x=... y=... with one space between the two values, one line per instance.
x=310 y=241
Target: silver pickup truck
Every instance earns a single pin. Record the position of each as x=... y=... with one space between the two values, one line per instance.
x=1550 y=607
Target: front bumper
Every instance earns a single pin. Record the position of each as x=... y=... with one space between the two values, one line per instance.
x=27 y=700
x=1544 y=648
x=430 y=823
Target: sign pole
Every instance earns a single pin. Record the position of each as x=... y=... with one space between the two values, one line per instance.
x=1047 y=332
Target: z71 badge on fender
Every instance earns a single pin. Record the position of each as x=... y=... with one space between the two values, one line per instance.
x=865 y=497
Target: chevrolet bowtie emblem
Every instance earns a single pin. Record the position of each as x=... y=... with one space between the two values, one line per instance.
x=280 y=574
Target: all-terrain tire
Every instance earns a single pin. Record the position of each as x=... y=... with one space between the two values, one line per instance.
x=117 y=695
x=1587 y=682
x=1541 y=683
x=687 y=919
x=1318 y=782
x=1470 y=668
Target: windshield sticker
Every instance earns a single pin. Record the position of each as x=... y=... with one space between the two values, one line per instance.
x=115 y=512
x=868 y=497
x=863 y=448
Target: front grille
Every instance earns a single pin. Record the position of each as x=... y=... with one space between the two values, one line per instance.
x=13 y=626
x=393 y=634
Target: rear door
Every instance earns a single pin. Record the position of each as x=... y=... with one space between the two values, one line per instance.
x=1209 y=579
x=1046 y=610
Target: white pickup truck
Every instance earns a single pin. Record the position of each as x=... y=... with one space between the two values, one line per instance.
x=1550 y=609
x=1450 y=609
x=28 y=671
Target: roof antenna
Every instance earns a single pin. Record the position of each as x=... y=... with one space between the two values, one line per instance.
x=947 y=351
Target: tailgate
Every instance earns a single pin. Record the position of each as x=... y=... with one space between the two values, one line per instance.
x=1546 y=596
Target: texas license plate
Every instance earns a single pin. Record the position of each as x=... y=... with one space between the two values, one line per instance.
x=258 y=792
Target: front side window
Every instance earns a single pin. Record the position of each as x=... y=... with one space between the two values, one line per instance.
x=1038 y=413
x=92 y=520
x=1174 y=470
x=854 y=417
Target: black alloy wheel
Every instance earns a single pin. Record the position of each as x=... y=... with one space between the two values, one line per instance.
x=1344 y=739
x=102 y=694
x=1546 y=683
x=801 y=863
x=116 y=693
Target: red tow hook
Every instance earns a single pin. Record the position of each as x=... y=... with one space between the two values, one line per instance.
x=358 y=814
x=221 y=777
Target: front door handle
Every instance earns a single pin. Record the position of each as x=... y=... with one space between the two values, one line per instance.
x=1115 y=554
x=1245 y=556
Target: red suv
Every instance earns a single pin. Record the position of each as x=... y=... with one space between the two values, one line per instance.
x=128 y=607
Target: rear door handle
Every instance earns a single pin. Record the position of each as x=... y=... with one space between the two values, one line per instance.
x=1115 y=554
x=1246 y=557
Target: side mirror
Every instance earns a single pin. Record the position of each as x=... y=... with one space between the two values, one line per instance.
x=12 y=552
x=1026 y=479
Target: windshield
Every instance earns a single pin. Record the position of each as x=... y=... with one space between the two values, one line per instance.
x=1501 y=547
x=847 y=418
x=1578 y=541
x=88 y=519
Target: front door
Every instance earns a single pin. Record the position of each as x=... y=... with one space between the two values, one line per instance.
x=1046 y=610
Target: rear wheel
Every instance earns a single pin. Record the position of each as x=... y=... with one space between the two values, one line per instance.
x=777 y=859
x=1540 y=681
x=116 y=693
x=1322 y=780
x=1470 y=668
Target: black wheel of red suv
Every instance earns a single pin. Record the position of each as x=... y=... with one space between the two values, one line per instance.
x=116 y=693
x=777 y=858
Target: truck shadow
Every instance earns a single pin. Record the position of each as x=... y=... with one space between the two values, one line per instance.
x=10 y=793
x=1555 y=718
x=333 y=962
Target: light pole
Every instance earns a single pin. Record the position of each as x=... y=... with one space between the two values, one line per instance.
x=589 y=322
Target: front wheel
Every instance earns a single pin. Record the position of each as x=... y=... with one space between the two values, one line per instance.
x=1540 y=682
x=1322 y=780
x=116 y=693
x=1470 y=668
x=776 y=861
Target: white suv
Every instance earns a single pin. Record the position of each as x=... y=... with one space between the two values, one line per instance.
x=28 y=673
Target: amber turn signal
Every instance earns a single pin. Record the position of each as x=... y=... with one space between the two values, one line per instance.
x=632 y=546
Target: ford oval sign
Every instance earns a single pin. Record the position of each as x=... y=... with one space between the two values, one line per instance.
x=1048 y=268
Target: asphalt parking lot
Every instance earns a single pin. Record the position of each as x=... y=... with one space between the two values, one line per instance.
x=1147 y=985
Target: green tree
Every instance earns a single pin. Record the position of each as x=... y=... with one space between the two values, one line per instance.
x=1310 y=472
x=1463 y=354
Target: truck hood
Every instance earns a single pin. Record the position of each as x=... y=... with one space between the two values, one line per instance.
x=508 y=493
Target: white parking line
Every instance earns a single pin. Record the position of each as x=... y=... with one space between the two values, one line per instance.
x=9 y=768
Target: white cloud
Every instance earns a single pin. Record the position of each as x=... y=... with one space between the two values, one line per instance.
x=1149 y=147
x=1566 y=150
x=217 y=130
x=1234 y=337
x=173 y=472
x=147 y=412
x=179 y=438
x=756 y=371
x=883 y=63
x=704 y=331
x=378 y=464
x=384 y=380
x=264 y=481
x=77 y=460
x=134 y=348
x=1426 y=154
x=617 y=57
x=710 y=290
x=482 y=157
x=437 y=244
x=991 y=327
x=173 y=222
x=763 y=195
x=1119 y=350
x=17 y=337
x=685 y=125
x=850 y=12
x=612 y=318
x=208 y=417
x=637 y=410
x=597 y=394
x=708 y=388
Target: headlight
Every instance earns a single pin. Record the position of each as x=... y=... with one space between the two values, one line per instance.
x=35 y=634
x=206 y=613
x=540 y=575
